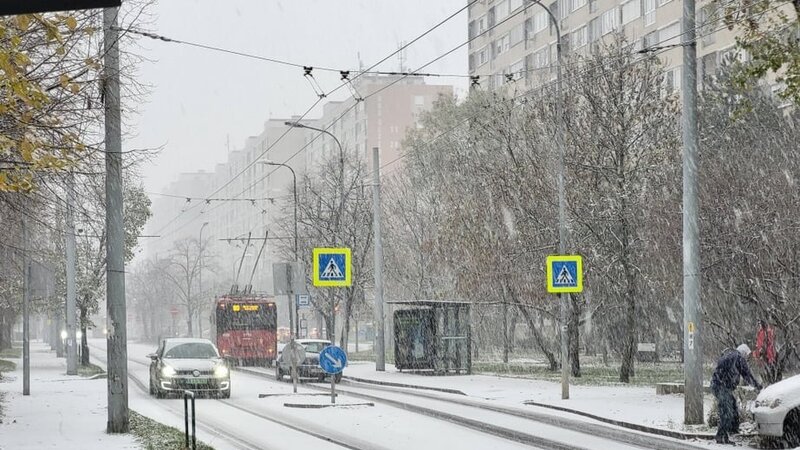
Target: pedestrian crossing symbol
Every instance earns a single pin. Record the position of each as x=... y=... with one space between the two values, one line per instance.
x=564 y=274
x=332 y=267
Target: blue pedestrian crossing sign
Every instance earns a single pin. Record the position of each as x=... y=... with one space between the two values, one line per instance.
x=332 y=267
x=332 y=359
x=564 y=274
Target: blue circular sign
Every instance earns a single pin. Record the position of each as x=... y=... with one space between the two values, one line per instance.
x=332 y=359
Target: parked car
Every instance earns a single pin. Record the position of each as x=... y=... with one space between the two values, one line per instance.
x=188 y=364
x=310 y=367
x=777 y=411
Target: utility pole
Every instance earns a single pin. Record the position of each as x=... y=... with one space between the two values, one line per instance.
x=200 y=282
x=26 y=300
x=693 y=321
x=69 y=237
x=117 y=350
x=380 y=352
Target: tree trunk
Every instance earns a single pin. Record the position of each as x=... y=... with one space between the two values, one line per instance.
x=537 y=335
x=348 y=309
x=84 y=342
x=574 y=337
x=626 y=370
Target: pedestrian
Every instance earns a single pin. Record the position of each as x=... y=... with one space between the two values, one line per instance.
x=730 y=368
x=765 y=352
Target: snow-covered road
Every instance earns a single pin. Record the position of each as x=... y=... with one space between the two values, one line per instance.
x=399 y=420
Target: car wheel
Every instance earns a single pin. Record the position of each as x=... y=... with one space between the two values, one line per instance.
x=225 y=394
x=321 y=378
x=152 y=388
x=338 y=377
x=791 y=428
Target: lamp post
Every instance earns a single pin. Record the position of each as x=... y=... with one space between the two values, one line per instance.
x=296 y=253
x=341 y=204
x=200 y=281
x=562 y=203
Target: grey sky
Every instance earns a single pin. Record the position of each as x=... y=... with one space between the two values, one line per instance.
x=201 y=97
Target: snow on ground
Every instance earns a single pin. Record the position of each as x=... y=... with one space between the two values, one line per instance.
x=62 y=412
x=633 y=404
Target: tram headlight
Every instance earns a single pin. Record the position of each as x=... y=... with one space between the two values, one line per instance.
x=168 y=371
x=221 y=371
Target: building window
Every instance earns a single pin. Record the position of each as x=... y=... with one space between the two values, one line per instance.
x=594 y=30
x=672 y=80
x=517 y=34
x=563 y=8
x=578 y=4
x=650 y=40
x=540 y=21
x=649 y=12
x=608 y=21
x=482 y=24
x=516 y=69
x=483 y=56
x=669 y=34
x=514 y=4
x=501 y=11
x=631 y=11
x=580 y=37
x=502 y=45
x=706 y=24
x=541 y=58
x=592 y=6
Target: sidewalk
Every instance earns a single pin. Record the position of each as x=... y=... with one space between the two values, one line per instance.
x=62 y=411
x=636 y=405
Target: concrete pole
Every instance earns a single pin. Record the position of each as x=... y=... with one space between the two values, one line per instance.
x=26 y=299
x=200 y=282
x=380 y=351
x=693 y=321
x=69 y=237
x=117 y=350
x=564 y=299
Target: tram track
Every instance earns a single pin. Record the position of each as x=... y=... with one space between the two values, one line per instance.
x=338 y=440
x=456 y=419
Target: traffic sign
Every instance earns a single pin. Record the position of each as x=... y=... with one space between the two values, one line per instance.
x=303 y=301
x=332 y=267
x=332 y=359
x=174 y=310
x=564 y=274
x=295 y=352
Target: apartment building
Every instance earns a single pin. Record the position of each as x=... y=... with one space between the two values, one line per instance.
x=516 y=39
x=392 y=104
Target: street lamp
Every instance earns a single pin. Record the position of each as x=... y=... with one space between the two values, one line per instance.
x=296 y=253
x=562 y=202
x=200 y=281
x=341 y=203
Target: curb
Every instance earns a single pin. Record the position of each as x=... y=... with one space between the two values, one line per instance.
x=400 y=385
x=632 y=426
x=334 y=405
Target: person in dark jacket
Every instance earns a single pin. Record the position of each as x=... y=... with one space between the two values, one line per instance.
x=730 y=368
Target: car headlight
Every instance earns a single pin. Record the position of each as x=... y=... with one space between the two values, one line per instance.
x=168 y=371
x=221 y=372
x=768 y=403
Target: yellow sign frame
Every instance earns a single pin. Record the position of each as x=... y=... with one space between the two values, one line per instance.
x=578 y=260
x=348 y=267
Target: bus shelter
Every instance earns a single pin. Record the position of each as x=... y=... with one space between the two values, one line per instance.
x=432 y=336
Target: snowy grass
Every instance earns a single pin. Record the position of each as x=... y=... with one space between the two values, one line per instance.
x=6 y=366
x=646 y=374
x=157 y=436
x=13 y=352
x=90 y=370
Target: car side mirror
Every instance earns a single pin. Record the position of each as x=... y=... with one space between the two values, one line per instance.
x=153 y=356
x=230 y=361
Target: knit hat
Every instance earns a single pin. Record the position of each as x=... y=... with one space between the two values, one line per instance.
x=744 y=350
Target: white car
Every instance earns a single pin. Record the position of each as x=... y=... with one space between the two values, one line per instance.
x=777 y=410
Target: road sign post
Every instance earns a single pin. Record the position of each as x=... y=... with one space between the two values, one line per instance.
x=333 y=359
x=332 y=267
x=564 y=275
x=296 y=354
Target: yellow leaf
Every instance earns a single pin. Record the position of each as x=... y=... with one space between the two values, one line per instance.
x=71 y=23
x=23 y=22
x=26 y=150
x=74 y=88
x=63 y=80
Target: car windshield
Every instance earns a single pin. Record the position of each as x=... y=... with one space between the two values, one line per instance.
x=195 y=350
x=315 y=347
